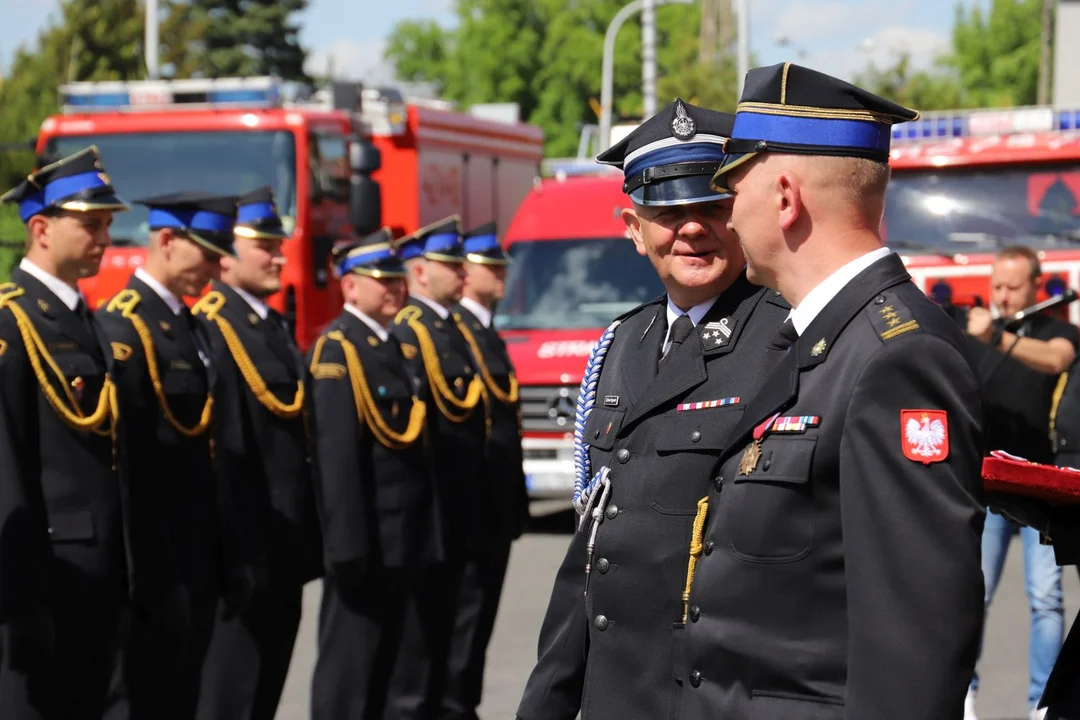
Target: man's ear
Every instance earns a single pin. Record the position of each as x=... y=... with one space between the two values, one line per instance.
x=789 y=202
x=632 y=220
x=38 y=231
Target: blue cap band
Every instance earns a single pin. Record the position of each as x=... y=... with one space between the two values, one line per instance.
x=58 y=190
x=481 y=243
x=682 y=153
x=73 y=184
x=410 y=250
x=255 y=212
x=861 y=134
x=190 y=220
x=442 y=243
x=360 y=257
x=31 y=205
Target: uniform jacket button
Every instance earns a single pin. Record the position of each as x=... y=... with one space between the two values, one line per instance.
x=603 y=565
x=766 y=465
x=623 y=455
x=709 y=547
x=695 y=678
x=695 y=436
x=695 y=613
x=612 y=511
x=718 y=482
x=600 y=622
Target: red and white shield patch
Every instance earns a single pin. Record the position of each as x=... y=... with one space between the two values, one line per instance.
x=924 y=435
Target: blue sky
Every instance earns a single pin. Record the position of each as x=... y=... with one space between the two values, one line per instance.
x=837 y=36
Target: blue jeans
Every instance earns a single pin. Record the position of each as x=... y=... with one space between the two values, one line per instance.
x=1042 y=580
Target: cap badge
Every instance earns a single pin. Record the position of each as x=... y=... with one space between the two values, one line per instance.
x=682 y=126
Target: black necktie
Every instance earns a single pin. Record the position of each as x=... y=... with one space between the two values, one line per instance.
x=785 y=337
x=85 y=317
x=680 y=330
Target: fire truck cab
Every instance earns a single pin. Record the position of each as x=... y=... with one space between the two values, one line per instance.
x=341 y=162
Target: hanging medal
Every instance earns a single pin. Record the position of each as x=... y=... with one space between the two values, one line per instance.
x=752 y=455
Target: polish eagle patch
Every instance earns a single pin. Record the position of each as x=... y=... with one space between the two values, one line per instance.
x=924 y=435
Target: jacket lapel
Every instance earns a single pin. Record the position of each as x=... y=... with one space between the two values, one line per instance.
x=813 y=346
x=716 y=334
x=52 y=308
x=639 y=355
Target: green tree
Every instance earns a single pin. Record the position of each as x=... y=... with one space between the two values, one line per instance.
x=91 y=40
x=996 y=54
x=419 y=49
x=234 y=38
x=546 y=55
x=926 y=90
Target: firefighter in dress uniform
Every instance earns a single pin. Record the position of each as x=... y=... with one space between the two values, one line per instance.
x=485 y=282
x=837 y=568
x=665 y=385
x=448 y=604
x=375 y=487
x=167 y=388
x=262 y=410
x=65 y=564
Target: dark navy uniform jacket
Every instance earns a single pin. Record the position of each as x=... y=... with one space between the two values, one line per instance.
x=610 y=654
x=840 y=574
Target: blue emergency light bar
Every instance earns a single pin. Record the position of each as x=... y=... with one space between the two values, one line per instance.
x=975 y=123
x=196 y=94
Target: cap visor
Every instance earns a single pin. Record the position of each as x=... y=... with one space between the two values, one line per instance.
x=685 y=190
x=210 y=245
x=719 y=179
x=379 y=273
x=247 y=232
x=105 y=201
x=488 y=259
x=445 y=258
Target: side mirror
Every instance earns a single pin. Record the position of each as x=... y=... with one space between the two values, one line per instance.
x=365 y=195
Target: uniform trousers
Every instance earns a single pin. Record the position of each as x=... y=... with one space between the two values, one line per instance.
x=160 y=672
x=361 y=623
x=249 y=656
x=59 y=665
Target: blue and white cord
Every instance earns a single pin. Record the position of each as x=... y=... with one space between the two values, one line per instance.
x=584 y=485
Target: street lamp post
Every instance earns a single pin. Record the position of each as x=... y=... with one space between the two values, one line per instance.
x=608 y=71
x=151 y=39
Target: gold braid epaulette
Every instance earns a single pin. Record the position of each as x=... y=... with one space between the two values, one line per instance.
x=107 y=409
x=210 y=306
x=440 y=391
x=507 y=397
x=366 y=411
x=125 y=303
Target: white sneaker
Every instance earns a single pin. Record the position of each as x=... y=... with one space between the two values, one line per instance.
x=1037 y=714
x=969 y=706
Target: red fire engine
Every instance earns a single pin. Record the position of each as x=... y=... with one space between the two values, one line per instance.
x=354 y=160
x=965 y=184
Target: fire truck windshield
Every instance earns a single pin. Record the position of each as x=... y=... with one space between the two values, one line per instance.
x=147 y=164
x=965 y=210
x=574 y=284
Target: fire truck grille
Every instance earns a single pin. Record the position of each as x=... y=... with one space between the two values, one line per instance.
x=548 y=408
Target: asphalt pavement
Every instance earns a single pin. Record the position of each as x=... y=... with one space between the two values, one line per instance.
x=536 y=557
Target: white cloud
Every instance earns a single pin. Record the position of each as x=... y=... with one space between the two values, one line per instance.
x=884 y=49
x=810 y=23
x=352 y=61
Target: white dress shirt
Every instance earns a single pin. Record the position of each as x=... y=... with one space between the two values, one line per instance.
x=381 y=332
x=163 y=292
x=442 y=312
x=816 y=300
x=482 y=313
x=673 y=313
x=64 y=292
x=261 y=309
